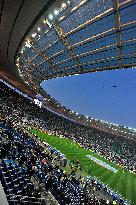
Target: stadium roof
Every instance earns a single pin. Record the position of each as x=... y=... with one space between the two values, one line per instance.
x=79 y=36
x=46 y=39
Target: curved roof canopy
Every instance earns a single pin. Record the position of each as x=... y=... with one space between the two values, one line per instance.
x=79 y=36
x=16 y=19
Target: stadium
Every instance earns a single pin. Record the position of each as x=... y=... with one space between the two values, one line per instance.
x=50 y=154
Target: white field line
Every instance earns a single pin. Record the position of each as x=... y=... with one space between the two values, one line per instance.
x=101 y=163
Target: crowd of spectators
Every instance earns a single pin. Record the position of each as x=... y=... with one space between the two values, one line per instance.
x=118 y=149
x=25 y=160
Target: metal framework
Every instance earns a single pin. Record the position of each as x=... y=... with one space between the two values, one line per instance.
x=83 y=36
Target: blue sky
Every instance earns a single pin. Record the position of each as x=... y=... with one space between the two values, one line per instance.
x=94 y=95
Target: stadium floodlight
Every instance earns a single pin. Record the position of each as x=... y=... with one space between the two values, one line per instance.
x=44 y=21
x=17 y=64
x=22 y=50
x=50 y=16
x=56 y=12
x=18 y=59
x=63 y=5
x=26 y=82
x=33 y=35
x=39 y=29
x=28 y=43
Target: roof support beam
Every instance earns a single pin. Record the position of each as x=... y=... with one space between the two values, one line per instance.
x=62 y=38
x=118 y=30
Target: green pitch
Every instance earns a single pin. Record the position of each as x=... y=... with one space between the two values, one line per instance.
x=122 y=181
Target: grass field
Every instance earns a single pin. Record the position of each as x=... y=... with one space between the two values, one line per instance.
x=122 y=181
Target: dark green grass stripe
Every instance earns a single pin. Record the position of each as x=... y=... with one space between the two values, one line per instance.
x=117 y=185
x=104 y=178
x=120 y=185
x=129 y=191
x=97 y=171
x=113 y=177
x=131 y=188
x=123 y=185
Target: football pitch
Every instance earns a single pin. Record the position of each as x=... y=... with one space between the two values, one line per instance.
x=122 y=181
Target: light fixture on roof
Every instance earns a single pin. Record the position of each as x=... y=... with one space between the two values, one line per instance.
x=39 y=29
x=56 y=12
x=33 y=35
x=50 y=16
x=28 y=43
x=44 y=21
x=18 y=59
x=22 y=50
x=63 y=5
x=17 y=64
x=20 y=73
x=26 y=82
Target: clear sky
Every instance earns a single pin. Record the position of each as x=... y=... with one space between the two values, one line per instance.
x=94 y=95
